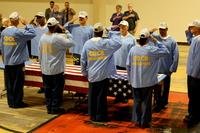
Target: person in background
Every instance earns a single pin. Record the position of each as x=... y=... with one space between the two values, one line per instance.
x=41 y=28
x=116 y=18
x=68 y=14
x=81 y=33
x=49 y=10
x=189 y=33
x=167 y=64
x=97 y=64
x=142 y=69
x=52 y=47
x=193 y=77
x=132 y=18
x=128 y=41
x=57 y=14
x=14 y=55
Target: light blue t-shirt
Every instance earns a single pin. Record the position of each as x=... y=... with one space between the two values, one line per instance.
x=35 y=41
x=52 y=55
x=14 y=44
x=193 y=63
x=80 y=35
x=97 y=61
x=189 y=36
x=142 y=64
x=168 y=63
x=121 y=54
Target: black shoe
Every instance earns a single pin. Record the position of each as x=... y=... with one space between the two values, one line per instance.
x=164 y=106
x=186 y=119
x=56 y=111
x=22 y=105
x=134 y=125
x=192 y=123
x=103 y=119
x=92 y=118
x=157 y=109
x=146 y=125
x=41 y=90
x=79 y=95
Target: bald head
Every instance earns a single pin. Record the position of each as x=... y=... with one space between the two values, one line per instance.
x=130 y=6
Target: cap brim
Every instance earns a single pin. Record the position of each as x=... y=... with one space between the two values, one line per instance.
x=14 y=18
x=39 y=15
x=143 y=36
x=123 y=24
x=98 y=31
x=82 y=16
x=49 y=24
x=162 y=27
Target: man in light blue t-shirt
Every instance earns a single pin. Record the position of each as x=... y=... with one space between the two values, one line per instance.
x=128 y=41
x=97 y=64
x=14 y=55
x=193 y=77
x=81 y=33
x=142 y=68
x=52 y=49
x=167 y=65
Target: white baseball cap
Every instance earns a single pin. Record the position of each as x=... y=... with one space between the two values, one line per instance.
x=52 y=22
x=196 y=23
x=82 y=14
x=163 y=25
x=124 y=22
x=14 y=15
x=40 y=14
x=144 y=33
x=98 y=27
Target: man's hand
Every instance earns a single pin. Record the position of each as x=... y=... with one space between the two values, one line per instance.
x=23 y=21
x=33 y=21
x=153 y=30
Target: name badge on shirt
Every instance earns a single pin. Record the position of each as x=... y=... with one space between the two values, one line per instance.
x=9 y=41
x=96 y=55
x=141 y=60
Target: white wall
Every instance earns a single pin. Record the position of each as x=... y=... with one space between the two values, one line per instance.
x=177 y=13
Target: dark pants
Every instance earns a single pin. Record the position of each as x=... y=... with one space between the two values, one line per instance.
x=14 y=83
x=29 y=48
x=161 y=94
x=97 y=100
x=193 y=85
x=76 y=59
x=157 y=96
x=53 y=85
x=166 y=88
x=142 y=113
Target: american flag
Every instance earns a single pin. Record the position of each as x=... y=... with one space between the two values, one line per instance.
x=119 y=85
x=75 y=81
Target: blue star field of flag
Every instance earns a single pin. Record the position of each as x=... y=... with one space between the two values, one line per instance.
x=119 y=86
